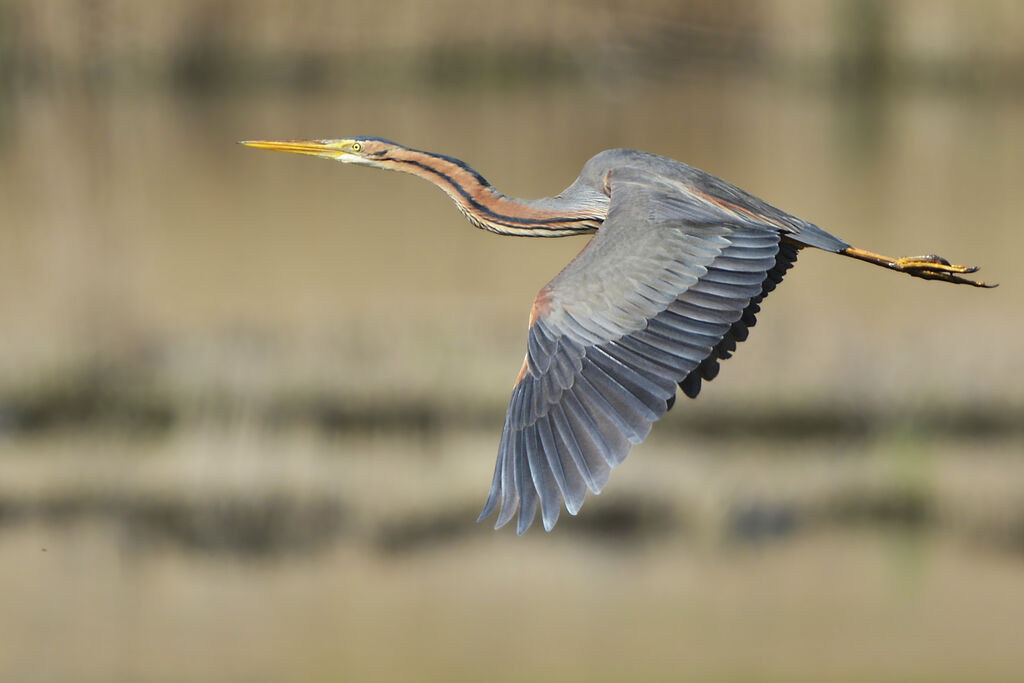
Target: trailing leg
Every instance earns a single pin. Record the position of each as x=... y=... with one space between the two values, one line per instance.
x=928 y=267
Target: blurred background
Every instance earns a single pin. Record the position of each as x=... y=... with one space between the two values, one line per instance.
x=250 y=403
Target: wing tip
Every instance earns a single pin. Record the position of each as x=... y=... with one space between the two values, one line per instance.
x=524 y=518
x=483 y=515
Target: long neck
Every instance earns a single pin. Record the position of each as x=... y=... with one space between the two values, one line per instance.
x=489 y=209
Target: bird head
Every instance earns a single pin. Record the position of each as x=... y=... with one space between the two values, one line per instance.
x=367 y=151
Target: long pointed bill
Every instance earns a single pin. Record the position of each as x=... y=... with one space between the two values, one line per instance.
x=328 y=149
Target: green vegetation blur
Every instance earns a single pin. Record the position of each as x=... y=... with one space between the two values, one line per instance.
x=250 y=403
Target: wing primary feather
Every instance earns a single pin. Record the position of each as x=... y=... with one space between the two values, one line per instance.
x=753 y=240
x=680 y=366
x=652 y=394
x=658 y=372
x=608 y=417
x=523 y=489
x=614 y=434
x=691 y=385
x=567 y=440
x=740 y=330
x=524 y=484
x=642 y=370
x=527 y=511
x=495 y=492
x=507 y=456
x=592 y=447
x=727 y=291
x=688 y=325
x=709 y=368
x=685 y=335
x=679 y=347
x=549 y=447
x=620 y=396
x=732 y=277
x=750 y=263
x=684 y=308
x=543 y=478
x=510 y=485
x=733 y=305
x=671 y=402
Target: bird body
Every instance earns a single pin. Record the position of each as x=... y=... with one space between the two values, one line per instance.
x=665 y=290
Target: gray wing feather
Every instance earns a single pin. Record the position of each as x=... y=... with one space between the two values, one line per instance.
x=655 y=299
x=738 y=332
x=578 y=476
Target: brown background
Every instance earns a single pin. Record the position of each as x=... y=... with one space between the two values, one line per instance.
x=249 y=403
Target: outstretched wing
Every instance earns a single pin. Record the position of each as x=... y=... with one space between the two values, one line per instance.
x=657 y=292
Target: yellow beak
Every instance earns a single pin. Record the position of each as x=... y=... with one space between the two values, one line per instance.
x=328 y=149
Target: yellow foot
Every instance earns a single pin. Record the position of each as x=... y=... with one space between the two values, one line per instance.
x=932 y=267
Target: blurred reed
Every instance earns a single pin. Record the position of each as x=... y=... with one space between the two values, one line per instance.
x=312 y=43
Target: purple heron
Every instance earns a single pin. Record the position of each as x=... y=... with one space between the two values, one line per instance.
x=671 y=282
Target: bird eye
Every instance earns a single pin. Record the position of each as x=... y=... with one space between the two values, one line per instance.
x=356 y=147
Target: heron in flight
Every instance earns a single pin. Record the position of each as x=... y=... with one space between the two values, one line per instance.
x=671 y=282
